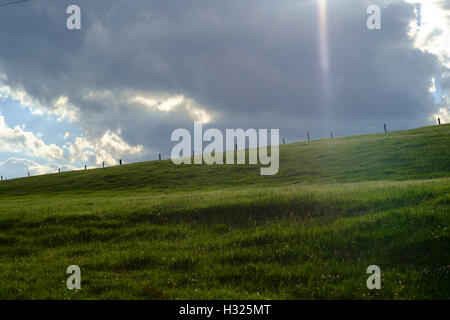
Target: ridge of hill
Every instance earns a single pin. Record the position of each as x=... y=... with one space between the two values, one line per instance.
x=421 y=153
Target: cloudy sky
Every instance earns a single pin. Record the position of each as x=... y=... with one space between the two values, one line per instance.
x=137 y=70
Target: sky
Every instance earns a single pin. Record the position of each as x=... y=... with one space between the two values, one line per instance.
x=137 y=70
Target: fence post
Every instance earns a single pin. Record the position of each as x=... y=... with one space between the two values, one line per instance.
x=120 y=161
x=331 y=135
x=160 y=157
x=59 y=171
x=307 y=133
x=385 y=129
x=85 y=167
x=2 y=179
x=28 y=173
x=283 y=141
x=439 y=121
x=103 y=164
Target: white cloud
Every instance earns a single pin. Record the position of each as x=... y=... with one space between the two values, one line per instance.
x=23 y=98
x=443 y=114
x=197 y=113
x=154 y=102
x=64 y=110
x=19 y=167
x=433 y=88
x=81 y=150
x=166 y=105
x=169 y=104
x=18 y=140
x=111 y=146
x=433 y=33
x=162 y=103
x=60 y=107
x=108 y=148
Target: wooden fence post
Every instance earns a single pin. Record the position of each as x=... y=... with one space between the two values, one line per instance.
x=331 y=135
x=160 y=157
x=307 y=133
x=59 y=171
x=85 y=167
x=439 y=121
x=103 y=164
x=120 y=161
x=385 y=129
x=283 y=141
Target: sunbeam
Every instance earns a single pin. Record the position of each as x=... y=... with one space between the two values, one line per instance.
x=323 y=36
x=324 y=55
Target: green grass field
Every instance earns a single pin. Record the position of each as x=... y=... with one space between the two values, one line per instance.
x=154 y=230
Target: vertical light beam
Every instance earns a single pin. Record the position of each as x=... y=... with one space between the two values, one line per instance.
x=323 y=35
x=324 y=56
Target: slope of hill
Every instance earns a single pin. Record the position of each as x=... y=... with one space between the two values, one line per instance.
x=422 y=153
x=158 y=231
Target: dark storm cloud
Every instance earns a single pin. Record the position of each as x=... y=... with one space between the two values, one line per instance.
x=255 y=62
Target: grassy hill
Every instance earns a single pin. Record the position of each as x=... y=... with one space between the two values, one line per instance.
x=403 y=155
x=159 y=231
